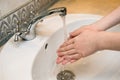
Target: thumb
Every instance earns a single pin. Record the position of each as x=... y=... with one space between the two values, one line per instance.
x=75 y=33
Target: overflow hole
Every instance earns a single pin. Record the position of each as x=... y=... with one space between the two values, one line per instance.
x=46 y=45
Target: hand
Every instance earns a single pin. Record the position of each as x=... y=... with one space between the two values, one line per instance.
x=83 y=28
x=80 y=46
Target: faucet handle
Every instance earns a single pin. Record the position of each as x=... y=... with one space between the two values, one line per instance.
x=17 y=36
x=17 y=33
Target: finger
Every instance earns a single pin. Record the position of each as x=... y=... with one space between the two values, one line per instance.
x=75 y=33
x=68 y=42
x=65 y=62
x=76 y=56
x=68 y=38
x=78 y=31
x=66 y=48
x=69 y=52
x=59 y=60
x=73 y=60
x=70 y=60
x=73 y=57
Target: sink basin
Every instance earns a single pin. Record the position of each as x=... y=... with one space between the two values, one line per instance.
x=104 y=65
x=36 y=59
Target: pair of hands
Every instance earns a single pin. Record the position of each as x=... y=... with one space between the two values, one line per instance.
x=81 y=43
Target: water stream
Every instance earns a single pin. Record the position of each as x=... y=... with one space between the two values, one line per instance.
x=65 y=36
x=65 y=74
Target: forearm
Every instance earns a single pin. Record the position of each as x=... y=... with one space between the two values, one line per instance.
x=108 y=21
x=109 y=40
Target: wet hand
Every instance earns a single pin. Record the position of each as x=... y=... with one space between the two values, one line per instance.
x=81 y=29
x=78 y=47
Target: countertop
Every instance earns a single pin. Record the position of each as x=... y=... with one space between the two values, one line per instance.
x=98 y=7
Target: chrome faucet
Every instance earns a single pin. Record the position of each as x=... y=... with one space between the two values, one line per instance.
x=30 y=33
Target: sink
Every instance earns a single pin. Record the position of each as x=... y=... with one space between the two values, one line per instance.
x=36 y=59
x=104 y=65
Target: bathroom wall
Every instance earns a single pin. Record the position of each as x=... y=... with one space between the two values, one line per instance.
x=98 y=7
x=6 y=6
x=20 y=18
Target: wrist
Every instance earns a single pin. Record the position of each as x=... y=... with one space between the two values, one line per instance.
x=102 y=40
x=96 y=27
x=101 y=25
x=107 y=40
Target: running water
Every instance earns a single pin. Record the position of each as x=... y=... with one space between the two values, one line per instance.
x=64 y=28
x=65 y=74
x=65 y=35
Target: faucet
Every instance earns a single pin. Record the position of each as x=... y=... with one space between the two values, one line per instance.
x=30 y=33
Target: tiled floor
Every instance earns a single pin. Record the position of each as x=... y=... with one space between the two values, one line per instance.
x=100 y=7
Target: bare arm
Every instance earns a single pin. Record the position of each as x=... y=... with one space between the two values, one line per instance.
x=108 y=21
x=109 y=40
x=103 y=24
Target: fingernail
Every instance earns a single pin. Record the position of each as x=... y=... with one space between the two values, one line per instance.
x=72 y=61
x=59 y=60
x=64 y=62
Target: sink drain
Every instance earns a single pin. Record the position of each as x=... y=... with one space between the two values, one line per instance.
x=65 y=75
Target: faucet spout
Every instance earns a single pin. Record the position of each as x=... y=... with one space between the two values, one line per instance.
x=30 y=32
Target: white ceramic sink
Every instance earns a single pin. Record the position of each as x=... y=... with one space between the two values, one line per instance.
x=36 y=59
x=103 y=65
